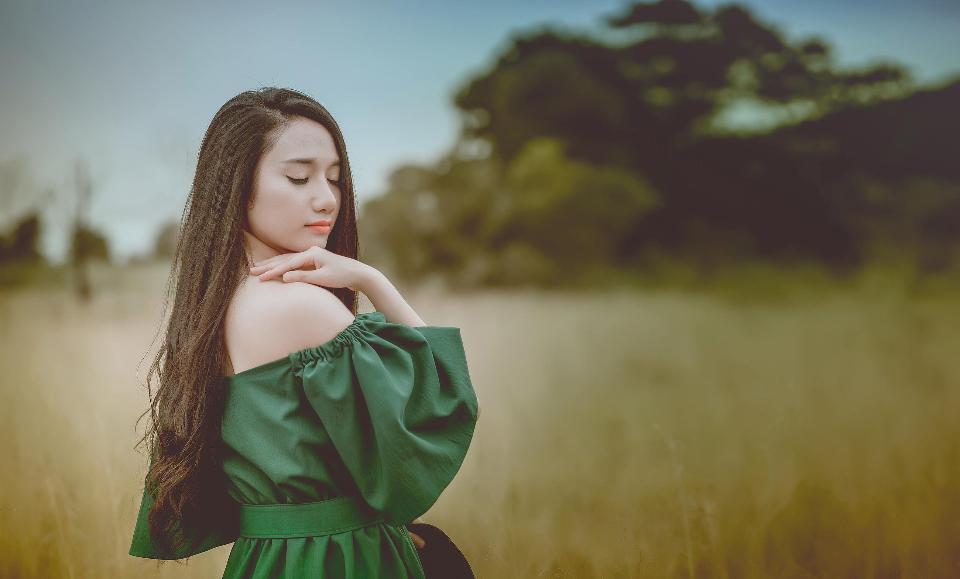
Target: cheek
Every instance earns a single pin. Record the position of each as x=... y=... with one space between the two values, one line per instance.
x=275 y=214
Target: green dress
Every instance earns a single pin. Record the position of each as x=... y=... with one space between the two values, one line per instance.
x=330 y=451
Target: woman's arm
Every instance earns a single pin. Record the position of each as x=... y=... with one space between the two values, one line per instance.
x=321 y=267
x=385 y=298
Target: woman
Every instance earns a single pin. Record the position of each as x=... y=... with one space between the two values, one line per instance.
x=285 y=422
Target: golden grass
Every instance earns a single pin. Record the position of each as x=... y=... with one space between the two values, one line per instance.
x=646 y=434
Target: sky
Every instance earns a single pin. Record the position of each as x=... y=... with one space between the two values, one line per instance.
x=130 y=86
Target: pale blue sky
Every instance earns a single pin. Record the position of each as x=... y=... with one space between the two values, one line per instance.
x=130 y=86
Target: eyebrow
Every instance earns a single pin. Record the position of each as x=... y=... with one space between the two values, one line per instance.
x=309 y=161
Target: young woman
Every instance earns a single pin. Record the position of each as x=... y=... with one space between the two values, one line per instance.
x=284 y=422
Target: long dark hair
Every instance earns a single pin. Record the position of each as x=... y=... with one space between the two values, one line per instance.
x=208 y=265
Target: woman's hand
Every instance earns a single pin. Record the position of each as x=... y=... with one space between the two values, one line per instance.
x=417 y=539
x=316 y=265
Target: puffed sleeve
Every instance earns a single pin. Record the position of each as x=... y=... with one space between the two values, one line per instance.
x=217 y=530
x=398 y=405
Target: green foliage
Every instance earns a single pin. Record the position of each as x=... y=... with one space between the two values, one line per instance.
x=89 y=243
x=666 y=85
x=558 y=203
x=533 y=221
x=588 y=160
x=21 y=244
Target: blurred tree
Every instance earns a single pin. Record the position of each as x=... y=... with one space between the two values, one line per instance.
x=557 y=205
x=554 y=85
x=85 y=242
x=660 y=90
x=18 y=191
x=577 y=153
x=21 y=244
x=165 y=243
x=20 y=200
x=468 y=218
x=88 y=243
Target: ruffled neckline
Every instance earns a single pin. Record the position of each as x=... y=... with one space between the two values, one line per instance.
x=330 y=348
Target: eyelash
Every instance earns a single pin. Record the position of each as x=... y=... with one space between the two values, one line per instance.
x=305 y=179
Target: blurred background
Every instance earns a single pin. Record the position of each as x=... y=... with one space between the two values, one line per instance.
x=705 y=259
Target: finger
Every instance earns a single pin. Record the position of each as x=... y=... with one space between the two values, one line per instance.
x=305 y=275
x=417 y=539
x=271 y=260
x=291 y=263
x=267 y=271
x=274 y=259
x=258 y=269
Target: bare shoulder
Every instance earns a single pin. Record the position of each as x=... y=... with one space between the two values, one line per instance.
x=268 y=320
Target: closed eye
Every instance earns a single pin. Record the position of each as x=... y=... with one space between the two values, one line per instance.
x=305 y=179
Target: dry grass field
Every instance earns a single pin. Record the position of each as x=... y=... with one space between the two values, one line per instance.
x=655 y=434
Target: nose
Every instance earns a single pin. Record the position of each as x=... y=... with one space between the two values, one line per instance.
x=325 y=198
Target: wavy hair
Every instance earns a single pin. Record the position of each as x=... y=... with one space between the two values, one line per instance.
x=209 y=264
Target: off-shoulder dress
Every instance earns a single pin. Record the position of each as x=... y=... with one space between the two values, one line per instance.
x=330 y=451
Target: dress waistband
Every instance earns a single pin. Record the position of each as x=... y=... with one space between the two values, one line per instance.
x=288 y=520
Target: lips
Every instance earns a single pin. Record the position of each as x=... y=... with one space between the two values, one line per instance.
x=320 y=222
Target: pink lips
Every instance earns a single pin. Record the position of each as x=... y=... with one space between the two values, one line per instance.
x=320 y=227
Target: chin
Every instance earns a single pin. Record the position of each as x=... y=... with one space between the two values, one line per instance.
x=317 y=239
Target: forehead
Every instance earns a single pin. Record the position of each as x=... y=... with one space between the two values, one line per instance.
x=304 y=139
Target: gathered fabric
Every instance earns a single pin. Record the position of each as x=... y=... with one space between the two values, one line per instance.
x=330 y=451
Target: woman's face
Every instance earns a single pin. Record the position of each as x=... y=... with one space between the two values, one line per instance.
x=295 y=185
